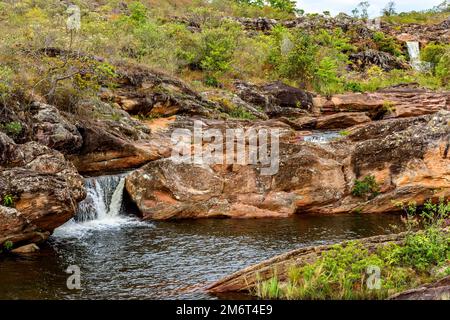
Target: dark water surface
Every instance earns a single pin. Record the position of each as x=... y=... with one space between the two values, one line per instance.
x=124 y=258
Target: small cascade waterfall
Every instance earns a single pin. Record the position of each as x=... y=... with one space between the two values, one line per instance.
x=414 y=55
x=104 y=198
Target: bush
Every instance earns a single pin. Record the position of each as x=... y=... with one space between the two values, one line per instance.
x=387 y=44
x=12 y=129
x=8 y=200
x=366 y=188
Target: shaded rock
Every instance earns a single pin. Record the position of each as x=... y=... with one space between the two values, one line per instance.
x=287 y=96
x=384 y=60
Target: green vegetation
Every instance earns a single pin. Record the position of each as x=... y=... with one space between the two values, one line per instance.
x=346 y=270
x=7 y=246
x=193 y=40
x=439 y=57
x=12 y=129
x=435 y=15
x=387 y=44
x=366 y=188
x=8 y=200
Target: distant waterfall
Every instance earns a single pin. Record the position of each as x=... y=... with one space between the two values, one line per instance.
x=104 y=198
x=414 y=54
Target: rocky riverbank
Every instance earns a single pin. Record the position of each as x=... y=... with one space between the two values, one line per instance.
x=404 y=147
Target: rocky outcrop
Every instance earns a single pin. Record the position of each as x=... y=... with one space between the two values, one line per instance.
x=141 y=91
x=233 y=105
x=113 y=141
x=419 y=32
x=339 y=120
x=51 y=129
x=399 y=101
x=41 y=187
x=408 y=158
x=387 y=62
x=276 y=99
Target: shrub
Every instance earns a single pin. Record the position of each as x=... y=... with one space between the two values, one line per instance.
x=8 y=200
x=442 y=69
x=7 y=245
x=387 y=44
x=366 y=188
x=13 y=129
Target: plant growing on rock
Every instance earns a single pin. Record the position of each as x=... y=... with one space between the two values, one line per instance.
x=7 y=246
x=366 y=188
x=8 y=200
x=12 y=129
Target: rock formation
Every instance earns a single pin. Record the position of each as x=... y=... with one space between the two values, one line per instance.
x=41 y=187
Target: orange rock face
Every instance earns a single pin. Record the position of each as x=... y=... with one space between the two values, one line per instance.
x=407 y=157
x=45 y=189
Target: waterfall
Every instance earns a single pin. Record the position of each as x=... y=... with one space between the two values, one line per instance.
x=104 y=198
x=414 y=54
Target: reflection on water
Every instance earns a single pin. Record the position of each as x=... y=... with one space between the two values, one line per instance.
x=123 y=258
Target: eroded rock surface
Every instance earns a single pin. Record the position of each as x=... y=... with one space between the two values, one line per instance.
x=407 y=157
x=41 y=187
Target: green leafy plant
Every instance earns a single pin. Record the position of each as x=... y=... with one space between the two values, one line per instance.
x=13 y=128
x=7 y=246
x=8 y=200
x=367 y=188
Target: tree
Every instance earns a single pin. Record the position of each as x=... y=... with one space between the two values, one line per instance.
x=283 y=5
x=361 y=10
x=364 y=5
x=389 y=10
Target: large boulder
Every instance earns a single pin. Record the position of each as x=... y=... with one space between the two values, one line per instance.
x=41 y=187
x=51 y=129
x=288 y=96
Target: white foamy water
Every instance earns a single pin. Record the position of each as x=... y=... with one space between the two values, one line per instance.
x=101 y=210
x=414 y=55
